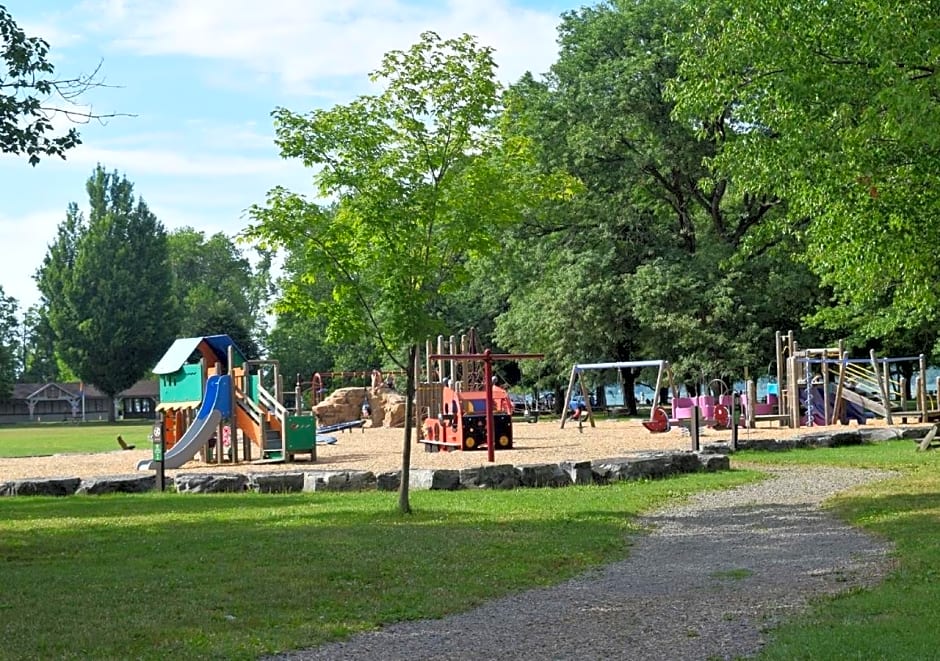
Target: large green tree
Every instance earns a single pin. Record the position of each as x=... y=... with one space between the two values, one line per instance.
x=106 y=285
x=651 y=246
x=31 y=96
x=422 y=183
x=833 y=106
x=217 y=289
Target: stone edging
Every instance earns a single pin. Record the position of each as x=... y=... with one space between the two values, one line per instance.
x=637 y=466
x=831 y=438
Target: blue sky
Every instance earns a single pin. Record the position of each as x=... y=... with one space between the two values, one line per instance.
x=201 y=77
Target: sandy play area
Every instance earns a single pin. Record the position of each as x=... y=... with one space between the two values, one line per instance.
x=379 y=450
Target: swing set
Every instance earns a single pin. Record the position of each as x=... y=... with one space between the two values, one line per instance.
x=715 y=411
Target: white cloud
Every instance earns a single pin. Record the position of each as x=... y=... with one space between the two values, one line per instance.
x=25 y=241
x=178 y=162
x=299 y=42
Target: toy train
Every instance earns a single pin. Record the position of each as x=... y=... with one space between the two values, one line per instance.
x=461 y=423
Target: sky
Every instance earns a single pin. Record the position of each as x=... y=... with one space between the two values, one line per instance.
x=192 y=84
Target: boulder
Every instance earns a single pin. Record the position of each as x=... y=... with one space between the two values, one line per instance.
x=579 y=471
x=385 y=407
x=874 y=434
x=282 y=482
x=766 y=444
x=96 y=486
x=434 y=479
x=543 y=475
x=500 y=476
x=339 y=480
x=828 y=439
x=389 y=481
x=712 y=463
x=211 y=483
x=44 y=486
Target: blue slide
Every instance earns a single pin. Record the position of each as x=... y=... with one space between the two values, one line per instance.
x=216 y=403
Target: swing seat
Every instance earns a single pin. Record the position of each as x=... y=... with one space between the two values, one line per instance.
x=721 y=417
x=659 y=422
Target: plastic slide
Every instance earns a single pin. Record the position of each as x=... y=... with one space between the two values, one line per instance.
x=199 y=433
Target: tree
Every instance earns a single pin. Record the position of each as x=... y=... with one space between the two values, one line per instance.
x=216 y=289
x=9 y=344
x=106 y=284
x=602 y=273
x=31 y=96
x=832 y=106
x=423 y=183
x=41 y=364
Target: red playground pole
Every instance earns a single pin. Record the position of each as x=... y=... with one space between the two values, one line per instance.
x=490 y=424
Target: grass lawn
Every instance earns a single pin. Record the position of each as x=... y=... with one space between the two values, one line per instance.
x=159 y=576
x=892 y=621
x=57 y=438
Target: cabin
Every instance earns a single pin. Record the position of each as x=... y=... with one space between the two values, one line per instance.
x=75 y=402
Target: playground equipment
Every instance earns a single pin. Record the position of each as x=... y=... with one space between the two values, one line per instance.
x=458 y=407
x=823 y=386
x=211 y=376
x=462 y=422
x=714 y=410
x=323 y=382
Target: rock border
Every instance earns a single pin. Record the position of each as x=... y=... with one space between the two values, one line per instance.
x=827 y=439
x=635 y=466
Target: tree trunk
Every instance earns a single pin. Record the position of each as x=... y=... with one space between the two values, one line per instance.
x=628 y=381
x=111 y=414
x=404 y=505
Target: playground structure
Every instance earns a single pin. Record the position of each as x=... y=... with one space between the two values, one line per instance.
x=824 y=386
x=214 y=402
x=323 y=382
x=713 y=410
x=458 y=407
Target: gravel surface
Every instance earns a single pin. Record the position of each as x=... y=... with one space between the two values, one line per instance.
x=713 y=576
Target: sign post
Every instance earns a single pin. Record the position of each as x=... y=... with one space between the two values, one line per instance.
x=159 y=448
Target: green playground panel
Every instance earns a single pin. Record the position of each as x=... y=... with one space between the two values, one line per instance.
x=183 y=385
x=301 y=433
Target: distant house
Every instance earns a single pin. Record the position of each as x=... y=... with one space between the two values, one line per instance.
x=58 y=402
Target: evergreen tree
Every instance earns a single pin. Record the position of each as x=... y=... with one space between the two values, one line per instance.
x=106 y=283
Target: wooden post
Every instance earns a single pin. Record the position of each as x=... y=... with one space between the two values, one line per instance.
x=564 y=404
x=922 y=388
x=431 y=365
x=881 y=387
x=902 y=388
x=825 y=378
x=734 y=422
x=838 y=404
x=928 y=439
x=751 y=389
x=781 y=382
x=793 y=388
x=693 y=428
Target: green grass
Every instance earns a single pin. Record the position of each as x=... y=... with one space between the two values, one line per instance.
x=733 y=574
x=57 y=438
x=895 y=619
x=158 y=576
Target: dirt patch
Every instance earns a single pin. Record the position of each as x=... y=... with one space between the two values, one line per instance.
x=380 y=450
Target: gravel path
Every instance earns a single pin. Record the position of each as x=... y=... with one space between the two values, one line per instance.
x=713 y=576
